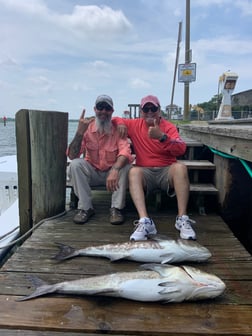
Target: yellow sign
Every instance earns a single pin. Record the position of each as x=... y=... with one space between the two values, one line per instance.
x=187 y=72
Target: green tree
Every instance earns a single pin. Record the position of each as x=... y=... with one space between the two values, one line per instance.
x=211 y=105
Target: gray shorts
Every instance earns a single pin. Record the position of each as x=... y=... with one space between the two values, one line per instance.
x=157 y=178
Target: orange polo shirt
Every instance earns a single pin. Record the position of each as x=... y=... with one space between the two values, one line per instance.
x=102 y=150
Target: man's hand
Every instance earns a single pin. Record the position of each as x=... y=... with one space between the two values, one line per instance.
x=75 y=146
x=112 y=180
x=155 y=132
x=83 y=123
x=122 y=130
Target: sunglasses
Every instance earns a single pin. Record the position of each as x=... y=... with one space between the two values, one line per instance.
x=152 y=109
x=103 y=106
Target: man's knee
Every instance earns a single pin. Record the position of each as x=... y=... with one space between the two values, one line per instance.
x=178 y=169
x=78 y=166
x=135 y=172
x=75 y=164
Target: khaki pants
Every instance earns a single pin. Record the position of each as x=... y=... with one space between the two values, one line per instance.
x=84 y=176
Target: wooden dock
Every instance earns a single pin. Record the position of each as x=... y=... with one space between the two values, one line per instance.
x=229 y=314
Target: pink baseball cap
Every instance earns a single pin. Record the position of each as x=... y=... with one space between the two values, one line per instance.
x=150 y=99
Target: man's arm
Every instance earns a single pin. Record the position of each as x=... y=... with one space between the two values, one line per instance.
x=120 y=162
x=74 y=148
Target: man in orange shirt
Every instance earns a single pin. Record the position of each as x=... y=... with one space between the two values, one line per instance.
x=106 y=161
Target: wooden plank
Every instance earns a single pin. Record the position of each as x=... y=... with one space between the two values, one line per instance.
x=25 y=332
x=230 y=139
x=206 y=188
x=237 y=292
x=115 y=316
x=65 y=315
x=198 y=164
x=192 y=142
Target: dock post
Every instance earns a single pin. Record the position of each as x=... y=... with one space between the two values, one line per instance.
x=41 y=138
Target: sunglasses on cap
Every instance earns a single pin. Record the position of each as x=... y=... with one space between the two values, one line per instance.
x=146 y=109
x=103 y=106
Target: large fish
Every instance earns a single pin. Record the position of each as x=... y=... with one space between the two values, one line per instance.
x=155 y=250
x=156 y=282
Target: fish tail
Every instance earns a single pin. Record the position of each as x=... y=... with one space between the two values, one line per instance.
x=65 y=252
x=39 y=291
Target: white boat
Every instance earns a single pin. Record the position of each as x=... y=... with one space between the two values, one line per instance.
x=9 y=213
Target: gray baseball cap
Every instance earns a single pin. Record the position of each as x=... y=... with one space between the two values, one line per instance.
x=104 y=99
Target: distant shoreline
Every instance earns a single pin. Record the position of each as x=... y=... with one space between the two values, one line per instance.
x=13 y=119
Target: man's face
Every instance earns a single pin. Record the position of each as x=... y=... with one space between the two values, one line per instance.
x=103 y=114
x=150 y=113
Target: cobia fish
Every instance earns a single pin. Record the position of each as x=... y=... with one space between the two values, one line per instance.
x=156 y=282
x=155 y=250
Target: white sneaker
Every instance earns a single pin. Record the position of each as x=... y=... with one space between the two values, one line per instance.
x=183 y=224
x=144 y=226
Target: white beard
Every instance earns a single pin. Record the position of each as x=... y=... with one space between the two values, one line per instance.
x=103 y=126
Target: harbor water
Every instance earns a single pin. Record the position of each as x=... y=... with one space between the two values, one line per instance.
x=8 y=164
x=8 y=137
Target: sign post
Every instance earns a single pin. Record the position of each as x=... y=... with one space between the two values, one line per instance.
x=187 y=72
x=186 y=75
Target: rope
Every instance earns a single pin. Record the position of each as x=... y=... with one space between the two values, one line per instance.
x=228 y=156
x=29 y=231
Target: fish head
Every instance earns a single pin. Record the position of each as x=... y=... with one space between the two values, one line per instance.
x=185 y=283
x=194 y=250
x=206 y=285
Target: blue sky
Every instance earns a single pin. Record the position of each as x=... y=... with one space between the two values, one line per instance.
x=58 y=55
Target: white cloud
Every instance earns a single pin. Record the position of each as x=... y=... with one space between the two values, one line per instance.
x=136 y=83
x=95 y=20
x=245 y=6
x=36 y=7
x=60 y=54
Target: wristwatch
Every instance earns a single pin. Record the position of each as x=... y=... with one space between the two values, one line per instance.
x=115 y=168
x=163 y=138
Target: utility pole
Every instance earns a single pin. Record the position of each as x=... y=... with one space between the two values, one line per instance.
x=188 y=58
x=176 y=64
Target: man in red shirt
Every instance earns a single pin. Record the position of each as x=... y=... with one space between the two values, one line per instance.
x=157 y=143
x=106 y=161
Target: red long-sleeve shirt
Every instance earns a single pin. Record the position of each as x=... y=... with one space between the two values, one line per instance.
x=151 y=152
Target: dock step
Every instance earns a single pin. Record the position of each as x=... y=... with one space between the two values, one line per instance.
x=203 y=188
x=198 y=164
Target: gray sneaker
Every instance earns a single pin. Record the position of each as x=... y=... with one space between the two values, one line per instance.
x=144 y=226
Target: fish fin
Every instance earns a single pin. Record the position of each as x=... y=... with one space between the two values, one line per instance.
x=105 y=291
x=159 y=268
x=118 y=256
x=158 y=237
x=36 y=281
x=168 y=287
x=168 y=258
x=42 y=289
x=65 y=252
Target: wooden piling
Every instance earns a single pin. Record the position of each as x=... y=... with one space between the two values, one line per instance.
x=41 y=145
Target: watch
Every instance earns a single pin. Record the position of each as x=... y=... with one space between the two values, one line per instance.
x=163 y=138
x=115 y=168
